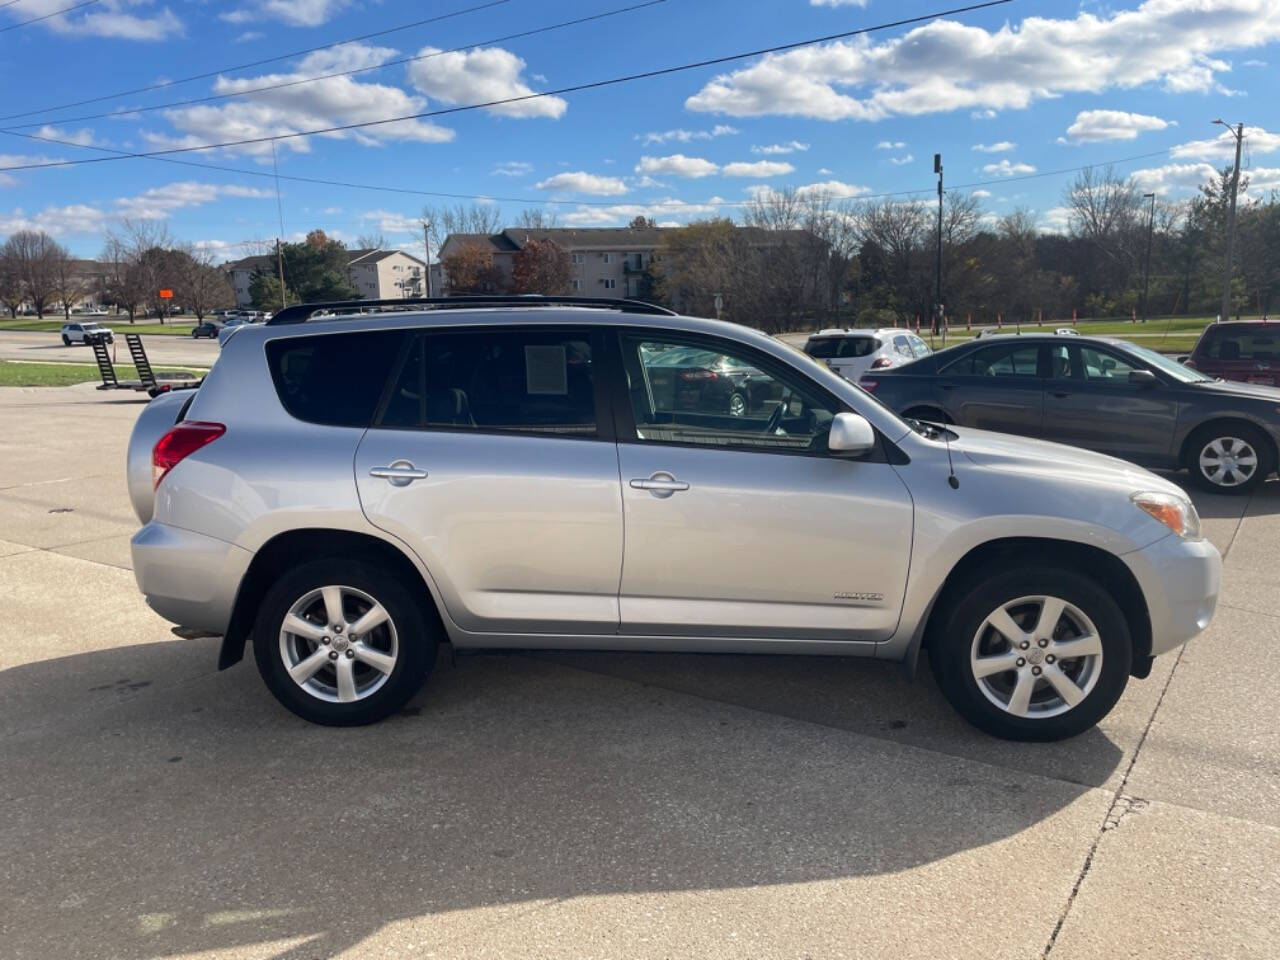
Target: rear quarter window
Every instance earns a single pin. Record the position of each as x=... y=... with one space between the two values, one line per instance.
x=823 y=349
x=335 y=379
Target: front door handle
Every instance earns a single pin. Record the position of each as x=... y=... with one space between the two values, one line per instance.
x=660 y=484
x=400 y=473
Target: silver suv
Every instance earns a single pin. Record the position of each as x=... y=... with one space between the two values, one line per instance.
x=349 y=492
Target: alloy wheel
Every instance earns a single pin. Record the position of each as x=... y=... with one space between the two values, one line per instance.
x=1228 y=461
x=1036 y=657
x=737 y=405
x=338 y=644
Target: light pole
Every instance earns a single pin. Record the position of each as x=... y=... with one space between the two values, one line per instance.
x=1238 y=133
x=426 y=244
x=937 y=300
x=1146 y=273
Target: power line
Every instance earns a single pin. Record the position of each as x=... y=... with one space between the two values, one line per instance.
x=47 y=16
x=342 y=73
x=543 y=201
x=255 y=63
x=574 y=88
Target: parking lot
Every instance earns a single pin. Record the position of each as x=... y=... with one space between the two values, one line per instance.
x=597 y=805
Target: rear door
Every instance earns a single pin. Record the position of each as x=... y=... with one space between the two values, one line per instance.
x=493 y=457
x=999 y=387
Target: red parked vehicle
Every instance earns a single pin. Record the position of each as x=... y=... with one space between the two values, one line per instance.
x=1243 y=350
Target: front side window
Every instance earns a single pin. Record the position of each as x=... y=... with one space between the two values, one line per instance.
x=521 y=381
x=710 y=394
x=1103 y=366
x=1005 y=360
x=335 y=379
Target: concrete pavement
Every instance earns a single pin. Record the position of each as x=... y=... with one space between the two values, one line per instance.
x=592 y=805
x=161 y=348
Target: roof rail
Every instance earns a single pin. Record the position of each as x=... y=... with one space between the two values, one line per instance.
x=302 y=312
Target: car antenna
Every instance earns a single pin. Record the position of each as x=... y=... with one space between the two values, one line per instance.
x=952 y=480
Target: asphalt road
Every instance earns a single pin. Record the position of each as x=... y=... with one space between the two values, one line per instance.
x=597 y=805
x=161 y=349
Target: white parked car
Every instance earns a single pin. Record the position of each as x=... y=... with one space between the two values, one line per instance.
x=86 y=333
x=851 y=353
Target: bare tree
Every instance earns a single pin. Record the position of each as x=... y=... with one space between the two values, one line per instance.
x=1103 y=211
x=537 y=219
x=372 y=241
x=200 y=286
x=70 y=285
x=121 y=279
x=12 y=292
x=34 y=256
x=479 y=219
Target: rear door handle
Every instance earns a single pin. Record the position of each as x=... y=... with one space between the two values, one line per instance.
x=400 y=473
x=947 y=386
x=660 y=484
x=1061 y=394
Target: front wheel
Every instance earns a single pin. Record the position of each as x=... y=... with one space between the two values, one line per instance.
x=66 y=341
x=343 y=643
x=1039 y=653
x=738 y=404
x=1230 y=458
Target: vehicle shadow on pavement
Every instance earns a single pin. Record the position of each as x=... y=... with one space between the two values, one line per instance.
x=154 y=807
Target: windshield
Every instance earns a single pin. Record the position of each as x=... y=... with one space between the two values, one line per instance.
x=1168 y=365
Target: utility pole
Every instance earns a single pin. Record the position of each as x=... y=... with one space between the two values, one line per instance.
x=1238 y=133
x=1146 y=273
x=426 y=245
x=280 y=264
x=938 y=320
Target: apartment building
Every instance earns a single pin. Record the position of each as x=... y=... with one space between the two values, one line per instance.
x=377 y=274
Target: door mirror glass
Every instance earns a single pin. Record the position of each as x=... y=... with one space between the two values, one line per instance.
x=851 y=434
x=1142 y=378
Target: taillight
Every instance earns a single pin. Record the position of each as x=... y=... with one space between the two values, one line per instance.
x=691 y=376
x=868 y=385
x=881 y=363
x=183 y=440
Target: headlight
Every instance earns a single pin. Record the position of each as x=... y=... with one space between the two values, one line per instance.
x=1174 y=512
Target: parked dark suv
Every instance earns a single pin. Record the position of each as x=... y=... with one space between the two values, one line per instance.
x=1244 y=350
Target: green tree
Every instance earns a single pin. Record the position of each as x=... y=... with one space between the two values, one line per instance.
x=264 y=291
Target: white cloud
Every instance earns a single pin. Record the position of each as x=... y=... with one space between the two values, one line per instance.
x=77 y=218
x=668 y=211
x=890 y=145
x=982 y=114
x=582 y=182
x=107 y=18
x=248 y=37
x=393 y=224
x=834 y=189
x=684 y=136
x=677 y=165
x=838 y=3
x=946 y=65
x=512 y=168
x=774 y=149
x=158 y=202
x=982 y=194
x=824 y=172
x=902 y=161
x=761 y=168
x=1255 y=63
x=1223 y=147
x=295 y=13
x=1174 y=176
x=1007 y=169
x=1003 y=146
x=17 y=160
x=333 y=101
x=83 y=137
x=479 y=76
x=1056 y=220
x=1095 y=126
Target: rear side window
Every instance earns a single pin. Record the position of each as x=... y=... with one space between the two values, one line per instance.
x=1006 y=360
x=1257 y=343
x=823 y=349
x=522 y=381
x=335 y=379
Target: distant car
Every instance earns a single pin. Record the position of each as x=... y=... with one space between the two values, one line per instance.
x=1067 y=332
x=205 y=329
x=1101 y=394
x=692 y=380
x=1244 y=350
x=851 y=353
x=86 y=333
x=230 y=327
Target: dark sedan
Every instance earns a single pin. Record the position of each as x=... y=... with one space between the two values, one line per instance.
x=1100 y=394
x=204 y=329
x=702 y=381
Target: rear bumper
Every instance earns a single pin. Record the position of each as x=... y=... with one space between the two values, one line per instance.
x=1180 y=580
x=186 y=577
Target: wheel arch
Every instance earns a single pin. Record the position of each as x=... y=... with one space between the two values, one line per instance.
x=1093 y=562
x=294 y=546
x=1224 y=423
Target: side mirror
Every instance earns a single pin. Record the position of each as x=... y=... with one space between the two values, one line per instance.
x=1143 y=378
x=851 y=435
x=1183 y=357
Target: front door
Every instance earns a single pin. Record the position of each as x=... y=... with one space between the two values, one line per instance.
x=740 y=524
x=1090 y=403
x=491 y=458
x=995 y=388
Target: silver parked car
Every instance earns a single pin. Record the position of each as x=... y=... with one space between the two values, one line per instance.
x=347 y=493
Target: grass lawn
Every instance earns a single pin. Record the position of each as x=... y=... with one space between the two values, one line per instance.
x=16 y=374
x=121 y=325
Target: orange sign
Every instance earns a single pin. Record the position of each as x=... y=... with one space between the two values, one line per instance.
x=166 y=294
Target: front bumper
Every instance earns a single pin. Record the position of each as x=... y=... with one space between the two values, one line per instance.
x=1180 y=580
x=186 y=577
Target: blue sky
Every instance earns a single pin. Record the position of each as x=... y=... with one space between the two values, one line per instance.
x=1021 y=89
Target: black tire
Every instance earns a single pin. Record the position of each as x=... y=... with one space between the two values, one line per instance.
x=66 y=341
x=739 y=404
x=417 y=640
x=1227 y=433
x=956 y=632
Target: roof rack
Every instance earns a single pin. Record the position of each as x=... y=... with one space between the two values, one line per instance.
x=302 y=312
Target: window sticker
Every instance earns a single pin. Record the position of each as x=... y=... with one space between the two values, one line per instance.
x=546 y=369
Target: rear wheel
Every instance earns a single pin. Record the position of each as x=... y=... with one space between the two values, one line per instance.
x=343 y=643
x=738 y=404
x=1040 y=653
x=66 y=341
x=1229 y=457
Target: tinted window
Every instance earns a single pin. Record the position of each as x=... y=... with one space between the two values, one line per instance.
x=527 y=381
x=1006 y=360
x=1100 y=365
x=720 y=398
x=823 y=349
x=335 y=379
x=1257 y=343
